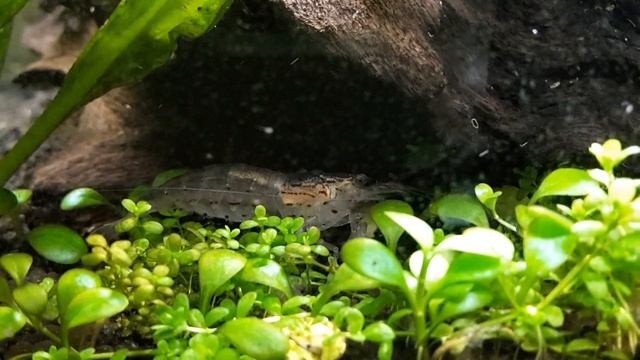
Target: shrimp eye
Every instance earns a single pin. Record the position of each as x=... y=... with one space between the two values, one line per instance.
x=361 y=180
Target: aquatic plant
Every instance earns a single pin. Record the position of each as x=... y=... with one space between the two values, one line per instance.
x=557 y=272
x=138 y=37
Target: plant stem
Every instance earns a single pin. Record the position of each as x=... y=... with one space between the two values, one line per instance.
x=505 y=223
x=130 y=353
x=566 y=282
x=507 y=287
x=419 y=307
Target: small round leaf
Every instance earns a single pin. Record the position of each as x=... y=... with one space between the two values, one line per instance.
x=17 y=265
x=31 y=298
x=82 y=198
x=57 y=243
x=11 y=321
x=373 y=260
x=92 y=305
x=72 y=283
x=256 y=338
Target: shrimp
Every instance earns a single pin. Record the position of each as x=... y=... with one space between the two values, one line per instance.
x=231 y=192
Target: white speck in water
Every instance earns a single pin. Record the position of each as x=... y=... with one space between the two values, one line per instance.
x=294 y=61
x=554 y=85
x=208 y=156
x=628 y=107
x=534 y=31
x=524 y=144
x=474 y=123
x=484 y=153
x=92 y=9
x=266 y=129
x=127 y=106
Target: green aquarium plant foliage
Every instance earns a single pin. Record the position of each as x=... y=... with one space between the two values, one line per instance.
x=557 y=274
x=138 y=37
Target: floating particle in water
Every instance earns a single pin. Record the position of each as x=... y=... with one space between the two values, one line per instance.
x=474 y=123
x=534 y=31
x=266 y=129
x=628 y=107
x=554 y=85
x=484 y=153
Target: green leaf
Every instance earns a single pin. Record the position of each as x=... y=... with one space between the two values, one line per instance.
x=165 y=176
x=72 y=283
x=487 y=196
x=471 y=301
x=294 y=304
x=92 y=305
x=610 y=153
x=8 y=201
x=57 y=243
x=138 y=37
x=17 y=265
x=553 y=315
x=467 y=267
x=596 y=284
x=129 y=205
x=344 y=279
x=582 y=344
x=5 y=291
x=481 y=241
x=11 y=321
x=568 y=182
x=31 y=298
x=378 y=332
x=121 y=354
x=215 y=315
x=256 y=338
x=216 y=267
x=455 y=207
x=548 y=240
x=266 y=272
x=373 y=260
x=419 y=230
x=246 y=303
x=388 y=227
x=23 y=195
x=8 y=9
x=82 y=198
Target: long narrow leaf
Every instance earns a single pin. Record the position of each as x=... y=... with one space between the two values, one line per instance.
x=8 y=9
x=139 y=36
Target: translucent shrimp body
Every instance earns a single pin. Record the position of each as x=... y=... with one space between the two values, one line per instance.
x=231 y=192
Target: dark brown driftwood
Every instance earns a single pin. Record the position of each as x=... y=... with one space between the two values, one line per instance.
x=502 y=79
